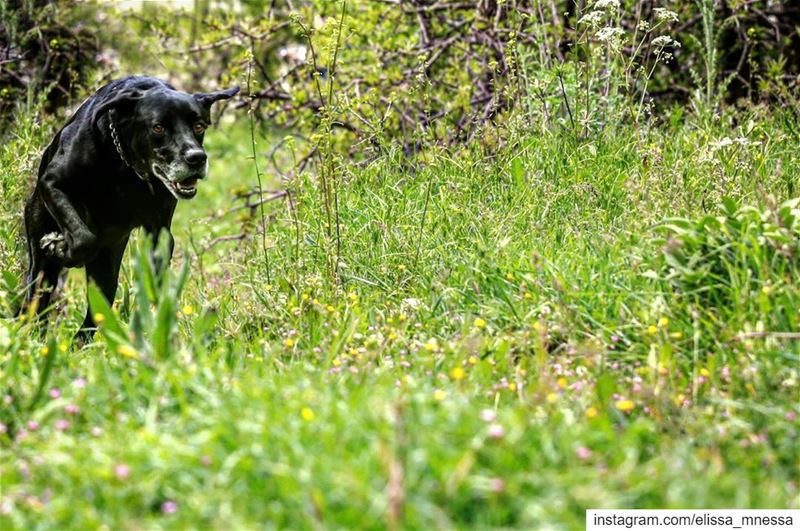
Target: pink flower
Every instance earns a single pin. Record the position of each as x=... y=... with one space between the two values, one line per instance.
x=488 y=415
x=169 y=507
x=497 y=485
x=122 y=471
x=79 y=383
x=205 y=460
x=33 y=425
x=62 y=424
x=55 y=392
x=72 y=409
x=791 y=416
x=583 y=453
x=3 y=428
x=496 y=431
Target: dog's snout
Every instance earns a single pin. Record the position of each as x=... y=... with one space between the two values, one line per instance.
x=195 y=157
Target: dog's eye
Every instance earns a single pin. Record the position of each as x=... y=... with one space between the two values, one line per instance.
x=199 y=128
x=158 y=129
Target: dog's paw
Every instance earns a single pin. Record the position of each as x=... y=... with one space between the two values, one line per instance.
x=54 y=244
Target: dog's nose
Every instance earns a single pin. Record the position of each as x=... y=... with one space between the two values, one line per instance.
x=195 y=157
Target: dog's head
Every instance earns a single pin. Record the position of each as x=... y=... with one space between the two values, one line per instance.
x=161 y=133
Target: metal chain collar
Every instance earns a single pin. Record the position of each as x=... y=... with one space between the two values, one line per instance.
x=115 y=139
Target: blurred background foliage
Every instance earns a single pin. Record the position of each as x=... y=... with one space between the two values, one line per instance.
x=410 y=72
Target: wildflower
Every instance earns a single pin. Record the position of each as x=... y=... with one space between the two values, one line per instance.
x=33 y=425
x=527 y=296
x=488 y=415
x=496 y=431
x=307 y=414
x=305 y=296
x=169 y=507
x=439 y=395
x=3 y=428
x=288 y=342
x=663 y=322
x=431 y=345
x=562 y=383
x=606 y=4
x=187 y=310
x=551 y=398
x=664 y=41
x=497 y=485
x=479 y=323
x=61 y=424
x=676 y=335
x=79 y=383
x=614 y=338
x=122 y=471
x=72 y=409
x=663 y=14
x=401 y=267
x=791 y=416
x=583 y=453
x=96 y=431
x=472 y=360
x=509 y=276
x=457 y=373
x=63 y=347
x=593 y=19
x=626 y=406
x=652 y=330
x=99 y=318
x=205 y=460
x=352 y=297
x=128 y=351
x=44 y=351
x=705 y=372
x=330 y=308
x=609 y=34
x=55 y=392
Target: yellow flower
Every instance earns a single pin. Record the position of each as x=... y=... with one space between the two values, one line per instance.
x=99 y=318
x=652 y=330
x=538 y=326
x=288 y=342
x=705 y=372
x=479 y=323
x=457 y=373
x=439 y=395
x=676 y=335
x=402 y=317
x=430 y=346
x=512 y=386
x=562 y=383
x=330 y=308
x=664 y=321
x=128 y=351
x=509 y=276
x=352 y=296
x=336 y=362
x=592 y=412
x=401 y=267
x=625 y=406
x=527 y=296
x=472 y=360
x=307 y=414
x=44 y=351
x=392 y=336
x=63 y=347
x=552 y=398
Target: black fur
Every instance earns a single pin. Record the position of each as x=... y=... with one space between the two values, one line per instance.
x=89 y=197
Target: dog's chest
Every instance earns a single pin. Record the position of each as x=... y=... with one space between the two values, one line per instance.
x=114 y=207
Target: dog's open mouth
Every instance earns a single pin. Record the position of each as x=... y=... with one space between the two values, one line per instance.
x=186 y=188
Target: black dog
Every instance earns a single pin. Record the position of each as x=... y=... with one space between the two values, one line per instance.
x=121 y=162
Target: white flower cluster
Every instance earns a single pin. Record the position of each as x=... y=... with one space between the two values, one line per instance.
x=665 y=15
x=606 y=4
x=664 y=41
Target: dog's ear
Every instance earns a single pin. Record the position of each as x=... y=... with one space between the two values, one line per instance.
x=206 y=99
x=121 y=101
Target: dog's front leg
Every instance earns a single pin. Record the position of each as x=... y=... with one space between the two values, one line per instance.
x=79 y=244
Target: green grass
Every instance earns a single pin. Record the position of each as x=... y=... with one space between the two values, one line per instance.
x=521 y=349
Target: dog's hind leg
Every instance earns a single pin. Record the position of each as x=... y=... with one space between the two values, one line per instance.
x=103 y=270
x=43 y=271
